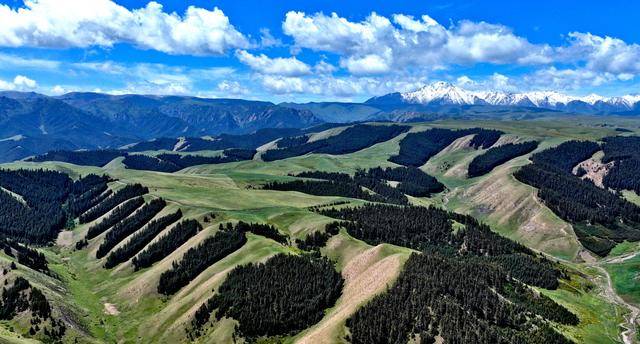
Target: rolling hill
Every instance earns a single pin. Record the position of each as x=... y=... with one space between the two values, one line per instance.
x=232 y=232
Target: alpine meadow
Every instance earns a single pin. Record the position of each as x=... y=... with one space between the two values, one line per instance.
x=319 y=172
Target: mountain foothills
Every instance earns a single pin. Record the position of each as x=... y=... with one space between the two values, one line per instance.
x=447 y=231
x=32 y=123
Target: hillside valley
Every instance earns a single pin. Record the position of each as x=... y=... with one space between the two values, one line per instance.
x=161 y=241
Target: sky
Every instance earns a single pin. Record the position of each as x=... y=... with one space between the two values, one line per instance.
x=318 y=50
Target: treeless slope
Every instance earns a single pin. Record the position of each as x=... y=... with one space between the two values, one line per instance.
x=596 y=170
x=453 y=160
x=513 y=209
x=368 y=271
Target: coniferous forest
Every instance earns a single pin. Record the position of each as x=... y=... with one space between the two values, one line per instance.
x=411 y=181
x=624 y=152
x=97 y=158
x=139 y=240
x=350 y=140
x=118 y=214
x=496 y=156
x=168 y=243
x=417 y=148
x=128 y=192
x=461 y=282
x=601 y=218
x=130 y=225
x=36 y=204
x=461 y=300
x=284 y=295
x=199 y=258
x=174 y=162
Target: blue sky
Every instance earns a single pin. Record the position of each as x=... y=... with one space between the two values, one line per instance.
x=317 y=50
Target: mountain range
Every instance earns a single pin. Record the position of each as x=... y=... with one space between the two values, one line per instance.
x=444 y=93
x=32 y=123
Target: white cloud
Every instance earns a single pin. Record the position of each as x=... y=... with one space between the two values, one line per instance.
x=604 y=54
x=267 y=40
x=290 y=66
x=324 y=67
x=227 y=87
x=58 y=90
x=19 y=83
x=340 y=87
x=22 y=82
x=560 y=79
x=8 y=61
x=71 y=23
x=366 y=65
x=378 y=45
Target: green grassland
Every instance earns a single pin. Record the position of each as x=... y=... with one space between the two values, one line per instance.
x=232 y=192
x=625 y=276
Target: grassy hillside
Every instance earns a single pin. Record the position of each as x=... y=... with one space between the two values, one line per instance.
x=122 y=305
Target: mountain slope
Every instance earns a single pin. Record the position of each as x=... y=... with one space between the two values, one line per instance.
x=92 y=120
x=189 y=115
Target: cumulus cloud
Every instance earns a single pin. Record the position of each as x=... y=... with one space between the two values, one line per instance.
x=340 y=87
x=227 y=87
x=70 y=23
x=368 y=64
x=379 y=44
x=324 y=67
x=19 y=83
x=559 y=79
x=58 y=90
x=604 y=54
x=267 y=40
x=289 y=66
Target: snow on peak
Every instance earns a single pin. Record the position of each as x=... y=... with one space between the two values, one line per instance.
x=443 y=93
x=440 y=92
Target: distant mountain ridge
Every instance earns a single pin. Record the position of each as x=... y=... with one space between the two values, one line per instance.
x=444 y=93
x=32 y=123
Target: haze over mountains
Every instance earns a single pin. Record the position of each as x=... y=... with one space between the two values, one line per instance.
x=32 y=123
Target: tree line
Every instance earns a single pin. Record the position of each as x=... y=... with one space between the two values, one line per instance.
x=460 y=300
x=118 y=214
x=417 y=148
x=25 y=255
x=199 y=258
x=411 y=181
x=496 y=156
x=96 y=191
x=423 y=228
x=318 y=239
x=601 y=218
x=292 y=141
x=350 y=140
x=139 y=240
x=97 y=158
x=41 y=204
x=284 y=295
x=126 y=193
x=624 y=151
x=130 y=225
x=174 y=162
x=166 y=244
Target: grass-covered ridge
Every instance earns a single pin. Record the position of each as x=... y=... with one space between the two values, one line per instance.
x=122 y=304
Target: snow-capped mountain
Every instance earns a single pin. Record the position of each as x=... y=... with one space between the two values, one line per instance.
x=444 y=93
